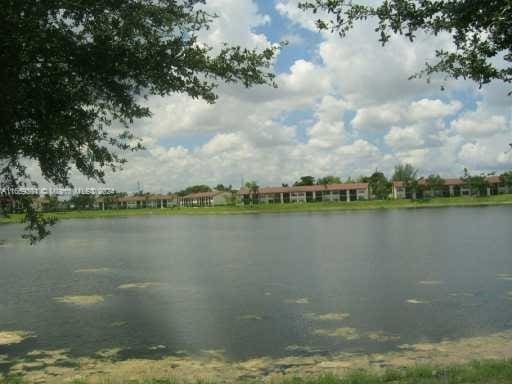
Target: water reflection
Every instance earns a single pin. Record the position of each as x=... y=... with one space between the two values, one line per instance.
x=262 y=285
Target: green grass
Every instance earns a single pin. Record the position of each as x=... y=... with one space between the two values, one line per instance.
x=281 y=208
x=479 y=372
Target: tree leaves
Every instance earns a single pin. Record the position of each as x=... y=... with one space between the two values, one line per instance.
x=481 y=31
x=71 y=69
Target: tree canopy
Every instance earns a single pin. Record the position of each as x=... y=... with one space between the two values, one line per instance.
x=82 y=201
x=506 y=178
x=305 y=180
x=222 y=187
x=477 y=184
x=481 y=31
x=75 y=75
x=329 y=180
x=379 y=185
x=194 y=189
x=434 y=182
x=252 y=186
x=405 y=172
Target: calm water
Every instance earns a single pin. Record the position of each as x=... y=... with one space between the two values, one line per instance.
x=246 y=283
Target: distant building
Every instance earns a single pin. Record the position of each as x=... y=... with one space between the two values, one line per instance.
x=142 y=201
x=205 y=199
x=452 y=187
x=9 y=204
x=306 y=193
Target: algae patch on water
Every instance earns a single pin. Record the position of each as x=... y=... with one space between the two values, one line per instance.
x=304 y=350
x=381 y=336
x=250 y=317
x=417 y=301
x=327 y=316
x=346 y=333
x=118 y=324
x=349 y=333
x=41 y=365
x=158 y=347
x=504 y=276
x=82 y=300
x=108 y=353
x=144 y=285
x=462 y=294
x=189 y=369
x=302 y=300
x=92 y=270
x=216 y=354
x=14 y=337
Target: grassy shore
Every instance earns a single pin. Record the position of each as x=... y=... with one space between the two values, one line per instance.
x=478 y=372
x=281 y=208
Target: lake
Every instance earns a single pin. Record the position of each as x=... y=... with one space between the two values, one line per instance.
x=259 y=285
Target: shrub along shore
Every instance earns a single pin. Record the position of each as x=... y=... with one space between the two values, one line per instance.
x=280 y=208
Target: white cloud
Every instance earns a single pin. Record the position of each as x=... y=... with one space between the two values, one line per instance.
x=489 y=154
x=222 y=142
x=249 y=133
x=234 y=23
x=479 y=124
x=416 y=157
x=329 y=130
x=475 y=155
x=424 y=111
x=404 y=138
x=432 y=109
x=359 y=148
x=377 y=117
x=290 y=9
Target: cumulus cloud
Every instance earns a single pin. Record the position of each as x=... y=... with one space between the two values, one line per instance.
x=343 y=107
x=404 y=138
x=432 y=109
x=424 y=111
x=377 y=117
x=485 y=155
x=222 y=142
x=329 y=130
x=479 y=124
x=290 y=9
x=235 y=23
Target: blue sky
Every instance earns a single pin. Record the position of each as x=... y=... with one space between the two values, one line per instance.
x=279 y=29
x=343 y=107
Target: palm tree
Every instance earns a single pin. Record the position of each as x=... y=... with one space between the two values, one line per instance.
x=408 y=175
x=253 y=189
x=435 y=183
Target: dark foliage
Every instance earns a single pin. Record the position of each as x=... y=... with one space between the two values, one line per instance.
x=75 y=74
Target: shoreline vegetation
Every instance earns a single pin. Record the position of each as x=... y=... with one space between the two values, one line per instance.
x=475 y=359
x=475 y=372
x=279 y=208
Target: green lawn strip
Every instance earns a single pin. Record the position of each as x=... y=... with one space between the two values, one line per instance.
x=279 y=208
x=478 y=372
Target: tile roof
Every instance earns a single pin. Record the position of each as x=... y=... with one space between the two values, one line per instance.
x=130 y=199
x=307 y=188
x=451 y=181
x=200 y=195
